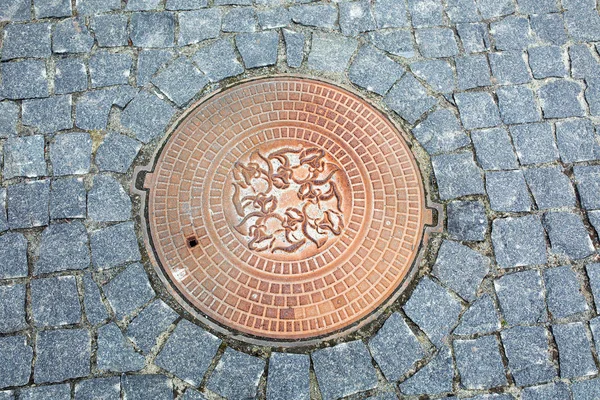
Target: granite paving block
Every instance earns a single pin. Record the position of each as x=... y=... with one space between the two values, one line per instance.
x=577 y=141
x=218 y=60
x=258 y=49
x=583 y=63
x=180 y=81
x=441 y=132
x=586 y=389
x=114 y=245
x=534 y=143
x=399 y=43
x=109 y=69
x=98 y=389
x=434 y=378
x=593 y=272
x=426 y=13
x=26 y=40
x=517 y=105
x=436 y=42
x=437 y=74
x=198 y=25
x=494 y=8
x=241 y=19
x=13 y=255
x=149 y=61
x=142 y=5
x=550 y=391
x=568 y=236
x=344 y=369
x=560 y=99
x=28 y=204
x=3 y=217
x=462 y=11
x=62 y=354
x=63 y=247
x=9 y=116
x=288 y=377
x=70 y=76
x=72 y=36
x=147 y=116
x=116 y=153
x=330 y=52
x=507 y=191
x=467 y=220
x=15 y=10
x=493 y=149
x=474 y=37
x=594 y=217
x=583 y=24
x=95 y=310
x=48 y=115
x=12 y=308
x=563 y=292
x=519 y=241
x=595 y=329
x=592 y=95
x=550 y=187
x=457 y=175
x=93 y=107
x=547 y=62
x=537 y=6
x=111 y=30
x=54 y=392
x=115 y=353
x=574 y=353
x=511 y=33
x=319 y=15
x=473 y=71
x=390 y=14
x=588 y=185
x=71 y=153
x=145 y=387
x=236 y=375
x=509 y=68
x=55 y=301
x=409 y=99
x=24 y=157
x=374 y=71
x=272 y=18
x=521 y=297
x=154 y=30
x=15 y=361
x=150 y=323
x=88 y=7
x=479 y=363
x=356 y=17
x=67 y=198
x=24 y=79
x=191 y=394
x=477 y=110
x=480 y=318
x=294 y=47
x=129 y=290
x=528 y=353
x=549 y=28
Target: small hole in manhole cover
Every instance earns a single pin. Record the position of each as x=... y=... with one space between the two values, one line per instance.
x=285 y=209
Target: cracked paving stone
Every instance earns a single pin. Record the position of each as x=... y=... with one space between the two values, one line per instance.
x=480 y=318
x=9 y=116
x=98 y=389
x=13 y=255
x=521 y=297
x=550 y=391
x=355 y=17
x=151 y=322
x=457 y=175
x=48 y=115
x=474 y=37
x=473 y=71
x=88 y=7
x=467 y=220
x=62 y=354
x=24 y=156
x=528 y=353
x=517 y=105
x=55 y=301
x=28 y=204
x=460 y=268
x=26 y=41
x=395 y=334
x=152 y=29
x=390 y=14
x=258 y=49
x=198 y=25
x=495 y=8
x=426 y=13
x=142 y=5
x=24 y=79
x=147 y=116
x=519 y=241
x=434 y=378
x=70 y=76
x=317 y=15
x=436 y=42
x=114 y=245
x=479 y=363
x=534 y=143
x=241 y=19
x=67 y=198
x=583 y=63
x=63 y=247
x=54 y=392
x=180 y=81
x=55 y=8
x=564 y=293
x=433 y=309
x=568 y=235
x=507 y=191
x=71 y=153
x=441 y=132
x=218 y=60
x=288 y=377
x=344 y=369
x=145 y=387
x=462 y=11
x=437 y=74
x=331 y=52
x=274 y=18
x=116 y=153
x=15 y=10
x=583 y=24
x=93 y=107
x=95 y=310
x=236 y=375
x=15 y=361
x=149 y=61
x=111 y=30
x=399 y=43
x=547 y=62
x=129 y=290
x=12 y=308
x=374 y=71
x=109 y=69
x=294 y=47
x=71 y=36
x=560 y=99
x=549 y=28
x=409 y=99
x=511 y=33
x=588 y=185
x=509 y=68
x=574 y=354
x=592 y=95
x=188 y=353
x=550 y=187
x=576 y=141
x=477 y=110
x=115 y=353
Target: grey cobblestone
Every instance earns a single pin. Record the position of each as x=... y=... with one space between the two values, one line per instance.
x=70 y=76
x=218 y=60
x=152 y=29
x=129 y=290
x=560 y=99
x=511 y=33
x=507 y=191
x=241 y=19
x=108 y=69
x=593 y=272
x=568 y=236
x=583 y=24
x=95 y=310
x=547 y=62
x=9 y=115
x=509 y=68
x=482 y=317
x=98 y=388
x=149 y=61
x=63 y=247
x=521 y=297
x=462 y=11
x=564 y=292
x=13 y=255
x=116 y=153
x=114 y=245
x=517 y=105
x=586 y=389
x=111 y=30
x=258 y=49
x=437 y=74
x=473 y=71
x=67 y=198
x=236 y=375
x=15 y=361
x=196 y=26
x=274 y=18
x=409 y=99
x=592 y=96
x=142 y=5
x=180 y=81
x=24 y=156
x=92 y=108
x=457 y=175
x=550 y=391
x=62 y=354
x=28 y=204
x=87 y=7
x=56 y=8
x=434 y=378
x=294 y=47
x=436 y=42
x=474 y=37
x=441 y=132
x=588 y=185
x=576 y=140
x=55 y=392
x=143 y=387
x=467 y=220
x=390 y=14
x=54 y=301
x=288 y=377
x=152 y=321
x=399 y=43
x=534 y=143
x=426 y=13
x=48 y=115
x=575 y=356
x=330 y=53
x=583 y=63
x=355 y=17
x=26 y=40
x=72 y=36
x=549 y=28
x=479 y=363
x=70 y=154
x=318 y=15
x=147 y=116
x=519 y=241
x=24 y=79
x=374 y=71
x=491 y=9
x=550 y=187
x=15 y=10
x=528 y=354
x=12 y=308
x=493 y=149
x=477 y=110
x=114 y=352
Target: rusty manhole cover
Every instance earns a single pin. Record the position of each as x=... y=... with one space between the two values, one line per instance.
x=285 y=209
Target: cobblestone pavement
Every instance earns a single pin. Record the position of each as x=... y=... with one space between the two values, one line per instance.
x=502 y=99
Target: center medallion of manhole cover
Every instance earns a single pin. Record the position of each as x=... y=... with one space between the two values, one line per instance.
x=285 y=209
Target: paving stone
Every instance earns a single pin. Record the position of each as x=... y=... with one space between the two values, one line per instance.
x=188 y=353
x=507 y=191
x=180 y=81
x=9 y=116
x=28 y=204
x=272 y=18
x=13 y=255
x=146 y=387
x=564 y=295
x=152 y=29
x=576 y=141
x=436 y=42
x=583 y=63
x=479 y=363
x=509 y=68
x=594 y=217
x=258 y=49
x=331 y=52
x=574 y=354
x=24 y=79
x=537 y=6
x=108 y=69
x=482 y=317
x=70 y=76
x=88 y=7
x=491 y=8
x=114 y=245
x=129 y=290
x=95 y=310
x=534 y=143
x=241 y=19
x=434 y=378
x=115 y=353
x=355 y=17
x=521 y=297
x=549 y=28
x=595 y=328
x=147 y=116
x=191 y=394
x=236 y=375
x=467 y=220
x=409 y=99
x=294 y=47
x=93 y=107
x=374 y=71
x=63 y=247
x=588 y=185
x=547 y=62
x=583 y=24
x=550 y=187
x=7 y=395
x=72 y=36
x=528 y=353
x=390 y=14
x=26 y=40
x=457 y=175
x=474 y=37
x=511 y=33
x=218 y=60
x=142 y=5
x=3 y=217
x=517 y=105
x=519 y=241
x=559 y=99
x=462 y=11
x=586 y=389
x=24 y=156
x=116 y=153
x=48 y=115
x=477 y=110
x=71 y=153
x=550 y=391
x=152 y=321
x=15 y=10
x=149 y=61
x=15 y=361
x=581 y=4
x=568 y=236
x=473 y=71
x=67 y=198
x=62 y=354
x=98 y=389
x=399 y=43
x=185 y=4
x=441 y=132
x=437 y=73
x=54 y=392
x=12 y=308
x=111 y=30
x=493 y=149
x=55 y=301
x=426 y=13
x=318 y=15
x=288 y=377
x=343 y=370
x=592 y=95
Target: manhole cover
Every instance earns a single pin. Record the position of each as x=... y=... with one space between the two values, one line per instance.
x=285 y=209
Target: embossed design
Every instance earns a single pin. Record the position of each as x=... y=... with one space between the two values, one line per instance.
x=287 y=199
